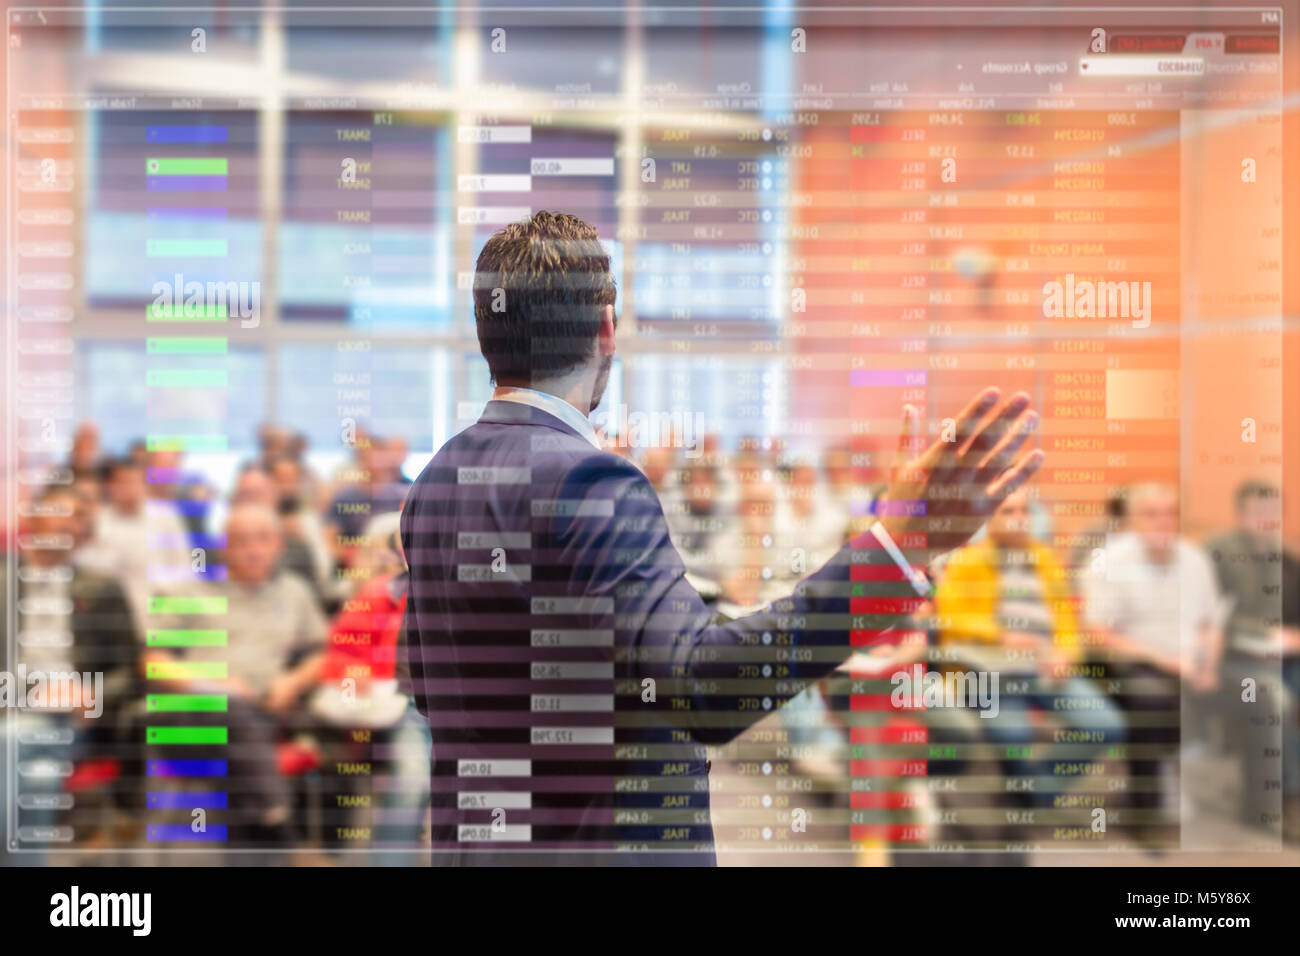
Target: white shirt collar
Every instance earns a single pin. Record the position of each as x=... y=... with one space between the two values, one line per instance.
x=552 y=405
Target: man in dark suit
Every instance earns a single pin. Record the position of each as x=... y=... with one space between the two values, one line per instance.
x=570 y=674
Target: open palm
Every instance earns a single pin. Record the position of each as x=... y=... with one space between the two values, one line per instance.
x=936 y=501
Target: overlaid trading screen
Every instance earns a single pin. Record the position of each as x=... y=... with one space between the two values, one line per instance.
x=676 y=435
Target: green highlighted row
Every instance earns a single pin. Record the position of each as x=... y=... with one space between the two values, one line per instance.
x=197 y=248
x=186 y=670
x=186 y=442
x=187 y=378
x=163 y=345
x=208 y=604
x=185 y=703
x=186 y=166
x=185 y=637
x=185 y=313
x=187 y=735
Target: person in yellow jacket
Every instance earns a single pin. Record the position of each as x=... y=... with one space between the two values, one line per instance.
x=1007 y=601
x=1008 y=591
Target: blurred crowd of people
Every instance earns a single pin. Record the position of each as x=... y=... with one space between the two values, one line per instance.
x=286 y=595
x=282 y=600
x=1151 y=648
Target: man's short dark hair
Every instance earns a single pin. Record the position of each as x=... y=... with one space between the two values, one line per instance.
x=120 y=463
x=54 y=491
x=1117 y=504
x=540 y=288
x=1254 y=489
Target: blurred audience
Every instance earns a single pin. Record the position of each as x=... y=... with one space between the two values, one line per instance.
x=1262 y=645
x=748 y=522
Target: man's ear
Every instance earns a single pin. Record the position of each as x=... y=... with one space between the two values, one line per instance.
x=605 y=337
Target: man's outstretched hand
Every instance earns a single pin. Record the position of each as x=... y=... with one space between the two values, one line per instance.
x=947 y=492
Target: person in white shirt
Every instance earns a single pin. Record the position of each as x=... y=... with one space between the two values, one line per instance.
x=1153 y=598
x=1154 y=594
x=141 y=543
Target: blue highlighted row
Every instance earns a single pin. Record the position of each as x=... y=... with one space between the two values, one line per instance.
x=186 y=134
x=192 y=509
x=187 y=768
x=216 y=213
x=179 y=184
x=169 y=476
x=188 y=800
x=203 y=539
x=182 y=833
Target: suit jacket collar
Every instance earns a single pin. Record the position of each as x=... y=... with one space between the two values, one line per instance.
x=498 y=412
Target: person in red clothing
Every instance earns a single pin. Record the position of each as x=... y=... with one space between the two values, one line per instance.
x=364 y=635
x=362 y=687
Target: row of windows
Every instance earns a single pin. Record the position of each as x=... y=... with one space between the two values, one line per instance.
x=687 y=53
x=423 y=394
x=366 y=227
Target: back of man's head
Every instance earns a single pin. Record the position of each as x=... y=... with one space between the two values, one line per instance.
x=540 y=289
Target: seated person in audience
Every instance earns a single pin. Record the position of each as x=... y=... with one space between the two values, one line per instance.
x=696 y=522
x=189 y=494
x=375 y=556
x=273 y=441
x=89 y=487
x=783 y=529
x=843 y=475
x=141 y=543
x=1262 y=643
x=1005 y=603
x=757 y=564
x=395 y=450
x=1095 y=535
x=1151 y=599
x=657 y=463
x=273 y=651
x=71 y=624
x=254 y=486
x=364 y=683
x=84 y=458
x=810 y=514
x=780 y=534
x=810 y=526
x=312 y=487
x=375 y=486
x=301 y=523
x=1153 y=595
